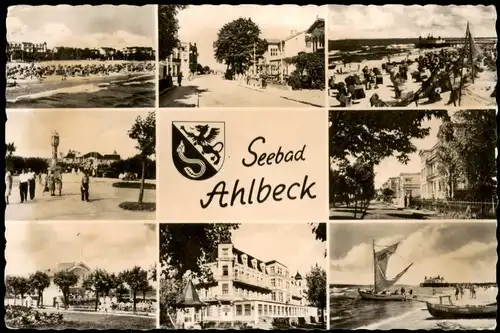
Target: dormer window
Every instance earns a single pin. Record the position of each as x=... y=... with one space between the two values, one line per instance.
x=263 y=267
x=244 y=258
x=254 y=263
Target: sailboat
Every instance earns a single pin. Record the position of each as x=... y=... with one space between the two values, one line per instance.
x=381 y=282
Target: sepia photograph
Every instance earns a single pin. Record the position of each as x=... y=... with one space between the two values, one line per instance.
x=413 y=164
x=241 y=56
x=414 y=276
x=81 y=56
x=80 y=165
x=265 y=276
x=409 y=56
x=75 y=276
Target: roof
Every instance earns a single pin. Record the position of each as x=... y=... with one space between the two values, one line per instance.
x=189 y=297
x=70 y=155
x=295 y=35
x=111 y=157
x=275 y=262
x=93 y=154
x=273 y=40
x=250 y=258
x=298 y=276
x=318 y=23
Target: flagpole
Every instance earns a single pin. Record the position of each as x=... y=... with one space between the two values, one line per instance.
x=471 y=56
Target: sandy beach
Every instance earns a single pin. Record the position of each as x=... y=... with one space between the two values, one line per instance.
x=477 y=94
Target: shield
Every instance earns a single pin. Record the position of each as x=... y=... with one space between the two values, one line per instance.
x=198 y=148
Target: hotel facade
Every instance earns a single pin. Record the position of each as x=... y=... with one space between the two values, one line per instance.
x=247 y=289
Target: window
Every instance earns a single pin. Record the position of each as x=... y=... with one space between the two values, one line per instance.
x=225 y=270
x=225 y=289
x=273 y=296
x=265 y=309
x=236 y=273
x=239 y=310
x=210 y=311
x=248 y=310
x=273 y=282
x=225 y=252
x=272 y=270
x=279 y=310
x=260 y=309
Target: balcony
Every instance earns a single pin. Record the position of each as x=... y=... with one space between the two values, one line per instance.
x=247 y=283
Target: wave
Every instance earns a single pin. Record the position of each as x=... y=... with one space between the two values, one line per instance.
x=137 y=82
x=376 y=325
x=82 y=88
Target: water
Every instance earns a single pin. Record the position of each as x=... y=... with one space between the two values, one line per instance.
x=348 y=311
x=137 y=93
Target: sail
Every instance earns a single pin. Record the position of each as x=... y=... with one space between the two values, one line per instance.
x=382 y=257
x=382 y=282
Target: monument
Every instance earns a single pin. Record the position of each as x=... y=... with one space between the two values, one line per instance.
x=55 y=145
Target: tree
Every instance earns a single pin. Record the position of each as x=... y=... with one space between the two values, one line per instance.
x=135 y=279
x=371 y=136
x=193 y=58
x=39 y=281
x=360 y=177
x=448 y=159
x=319 y=230
x=10 y=149
x=199 y=68
x=206 y=70
x=185 y=247
x=310 y=69
x=387 y=193
x=120 y=291
x=21 y=286
x=11 y=286
x=316 y=289
x=99 y=281
x=168 y=27
x=236 y=42
x=64 y=280
x=144 y=131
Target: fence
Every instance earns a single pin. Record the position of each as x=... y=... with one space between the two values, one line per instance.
x=459 y=209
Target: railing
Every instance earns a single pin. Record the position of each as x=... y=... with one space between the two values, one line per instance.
x=459 y=209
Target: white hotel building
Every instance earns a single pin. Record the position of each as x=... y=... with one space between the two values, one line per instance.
x=250 y=290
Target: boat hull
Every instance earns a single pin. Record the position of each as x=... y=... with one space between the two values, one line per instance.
x=379 y=297
x=462 y=312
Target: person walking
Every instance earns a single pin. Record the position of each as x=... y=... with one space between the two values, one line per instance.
x=31 y=183
x=8 y=185
x=23 y=185
x=179 y=79
x=85 y=187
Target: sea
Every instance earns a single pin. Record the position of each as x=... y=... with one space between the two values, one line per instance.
x=137 y=93
x=349 y=311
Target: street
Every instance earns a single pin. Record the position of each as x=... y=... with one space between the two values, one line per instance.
x=214 y=91
x=103 y=203
x=378 y=210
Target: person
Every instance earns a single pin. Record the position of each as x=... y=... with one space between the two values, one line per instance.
x=8 y=185
x=457 y=291
x=31 y=183
x=179 y=78
x=461 y=292
x=473 y=291
x=410 y=199
x=23 y=185
x=403 y=291
x=85 y=187
x=406 y=201
x=50 y=182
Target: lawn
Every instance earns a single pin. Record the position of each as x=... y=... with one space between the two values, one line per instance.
x=99 y=321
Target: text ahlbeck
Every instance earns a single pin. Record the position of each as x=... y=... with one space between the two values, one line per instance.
x=263 y=191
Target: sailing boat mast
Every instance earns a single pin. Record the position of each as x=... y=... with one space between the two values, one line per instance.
x=374 y=265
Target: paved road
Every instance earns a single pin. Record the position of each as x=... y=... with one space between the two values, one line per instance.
x=214 y=91
x=103 y=205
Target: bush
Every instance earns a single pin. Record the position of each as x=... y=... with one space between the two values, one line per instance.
x=281 y=323
x=134 y=185
x=135 y=206
x=229 y=74
x=295 y=81
x=17 y=316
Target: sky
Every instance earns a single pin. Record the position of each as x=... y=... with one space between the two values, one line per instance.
x=83 y=26
x=398 y=21
x=391 y=167
x=200 y=24
x=85 y=131
x=460 y=252
x=37 y=246
x=292 y=244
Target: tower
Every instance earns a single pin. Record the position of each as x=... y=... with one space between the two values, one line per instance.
x=55 y=145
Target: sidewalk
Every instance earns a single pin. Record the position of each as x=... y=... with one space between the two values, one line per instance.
x=112 y=313
x=314 y=98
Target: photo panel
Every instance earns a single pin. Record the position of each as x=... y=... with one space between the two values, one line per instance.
x=412 y=56
x=73 y=275
x=243 y=275
x=75 y=164
x=81 y=56
x=413 y=275
x=241 y=56
x=413 y=164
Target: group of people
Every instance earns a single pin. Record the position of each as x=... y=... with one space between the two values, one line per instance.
x=52 y=184
x=459 y=291
x=32 y=70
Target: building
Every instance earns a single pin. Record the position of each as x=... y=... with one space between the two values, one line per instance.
x=129 y=52
x=272 y=60
x=27 y=47
x=392 y=184
x=408 y=184
x=107 y=53
x=53 y=291
x=250 y=290
x=315 y=36
x=92 y=158
x=177 y=62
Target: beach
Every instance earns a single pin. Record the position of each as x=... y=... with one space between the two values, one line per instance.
x=113 y=89
x=477 y=94
x=348 y=311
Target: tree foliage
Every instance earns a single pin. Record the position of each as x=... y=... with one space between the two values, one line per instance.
x=309 y=69
x=371 y=136
x=168 y=27
x=316 y=288
x=100 y=281
x=235 y=44
x=18 y=285
x=185 y=247
x=64 y=280
x=39 y=281
x=144 y=131
x=36 y=164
